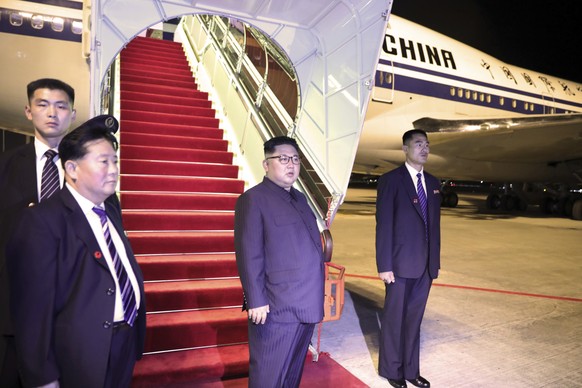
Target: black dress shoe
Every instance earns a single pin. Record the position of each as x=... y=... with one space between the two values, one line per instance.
x=397 y=383
x=420 y=382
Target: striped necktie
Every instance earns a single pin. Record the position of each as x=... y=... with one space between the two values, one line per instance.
x=423 y=202
x=49 y=183
x=127 y=293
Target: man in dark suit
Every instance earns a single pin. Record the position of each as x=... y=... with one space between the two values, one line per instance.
x=50 y=109
x=408 y=258
x=77 y=297
x=281 y=266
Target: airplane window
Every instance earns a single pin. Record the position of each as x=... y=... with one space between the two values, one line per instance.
x=489 y=98
x=37 y=22
x=58 y=24
x=514 y=104
x=16 y=19
x=460 y=92
x=526 y=105
x=481 y=97
x=531 y=107
x=475 y=96
x=467 y=94
x=501 y=100
x=453 y=91
x=77 y=27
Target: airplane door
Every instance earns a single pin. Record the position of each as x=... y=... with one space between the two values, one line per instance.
x=383 y=90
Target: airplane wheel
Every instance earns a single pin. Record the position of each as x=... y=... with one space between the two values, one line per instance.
x=521 y=204
x=451 y=200
x=508 y=202
x=493 y=201
x=547 y=205
x=568 y=206
x=577 y=210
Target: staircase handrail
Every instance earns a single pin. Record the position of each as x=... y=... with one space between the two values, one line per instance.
x=309 y=181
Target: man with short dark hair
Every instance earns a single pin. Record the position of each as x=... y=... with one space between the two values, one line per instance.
x=24 y=172
x=408 y=243
x=77 y=297
x=281 y=266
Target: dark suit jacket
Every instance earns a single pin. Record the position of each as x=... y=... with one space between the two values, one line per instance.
x=62 y=294
x=279 y=253
x=17 y=190
x=401 y=244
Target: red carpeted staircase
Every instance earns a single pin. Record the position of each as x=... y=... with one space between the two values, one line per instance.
x=178 y=190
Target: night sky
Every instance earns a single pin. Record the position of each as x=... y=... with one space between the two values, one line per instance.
x=543 y=36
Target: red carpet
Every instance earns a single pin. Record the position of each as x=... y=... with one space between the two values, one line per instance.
x=178 y=191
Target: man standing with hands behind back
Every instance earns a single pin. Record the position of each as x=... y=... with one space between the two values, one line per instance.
x=28 y=175
x=281 y=266
x=76 y=290
x=407 y=257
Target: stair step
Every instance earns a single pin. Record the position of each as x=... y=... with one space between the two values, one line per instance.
x=194 y=266
x=188 y=329
x=188 y=142
x=158 y=107
x=174 y=54
x=166 y=118
x=143 y=42
x=163 y=90
x=193 y=294
x=175 y=154
x=159 y=79
x=171 y=129
x=161 y=242
x=143 y=73
x=191 y=367
x=136 y=220
x=181 y=184
x=159 y=167
x=149 y=62
x=156 y=98
x=177 y=201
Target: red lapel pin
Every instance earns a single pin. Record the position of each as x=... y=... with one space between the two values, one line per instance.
x=97 y=255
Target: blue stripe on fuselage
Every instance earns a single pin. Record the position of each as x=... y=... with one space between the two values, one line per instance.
x=443 y=91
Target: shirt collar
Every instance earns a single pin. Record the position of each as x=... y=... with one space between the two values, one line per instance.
x=85 y=204
x=40 y=148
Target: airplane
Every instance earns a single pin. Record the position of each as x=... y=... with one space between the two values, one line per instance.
x=486 y=120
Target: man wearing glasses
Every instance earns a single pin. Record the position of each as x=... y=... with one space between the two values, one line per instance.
x=281 y=266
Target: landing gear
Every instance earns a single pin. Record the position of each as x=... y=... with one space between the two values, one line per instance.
x=508 y=202
x=577 y=210
x=449 y=199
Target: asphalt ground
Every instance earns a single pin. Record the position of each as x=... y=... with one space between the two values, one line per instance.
x=506 y=310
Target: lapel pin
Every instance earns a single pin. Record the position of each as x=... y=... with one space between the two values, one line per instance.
x=436 y=191
x=97 y=255
x=415 y=200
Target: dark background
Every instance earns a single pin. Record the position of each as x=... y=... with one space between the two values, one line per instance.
x=544 y=36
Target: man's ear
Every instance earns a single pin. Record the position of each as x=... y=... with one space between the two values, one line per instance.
x=265 y=165
x=27 y=112
x=71 y=169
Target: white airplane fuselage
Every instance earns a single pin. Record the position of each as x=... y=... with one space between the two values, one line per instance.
x=487 y=120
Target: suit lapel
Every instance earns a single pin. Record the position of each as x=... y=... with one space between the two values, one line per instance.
x=410 y=186
x=26 y=170
x=82 y=228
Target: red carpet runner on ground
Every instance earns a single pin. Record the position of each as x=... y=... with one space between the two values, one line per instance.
x=178 y=190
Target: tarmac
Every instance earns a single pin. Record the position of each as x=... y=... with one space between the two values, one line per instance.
x=506 y=310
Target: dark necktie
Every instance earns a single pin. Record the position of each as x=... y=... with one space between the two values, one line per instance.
x=49 y=183
x=422 y=200
x=127 y=293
